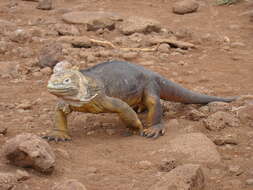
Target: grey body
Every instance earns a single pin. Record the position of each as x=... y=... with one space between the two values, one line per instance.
x=126 y=81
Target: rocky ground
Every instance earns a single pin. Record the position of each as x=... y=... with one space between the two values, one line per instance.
x=202 y=46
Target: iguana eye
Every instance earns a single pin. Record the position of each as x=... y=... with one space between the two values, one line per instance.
x=67 y=81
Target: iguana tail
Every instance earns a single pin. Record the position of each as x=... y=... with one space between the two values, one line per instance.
x=171 y=91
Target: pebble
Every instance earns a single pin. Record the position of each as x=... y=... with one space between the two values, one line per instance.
x=25 y=105
x=45 y=4
x=234 y=168
x=237 y=45
x=144 y=164
x=92 y=170
x=110 y=131
x=46 y=71
x=249 y=181
x=22 y=175
x=168 y=164
x=37 y=74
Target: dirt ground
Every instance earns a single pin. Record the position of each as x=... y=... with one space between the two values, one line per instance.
x=99 y=156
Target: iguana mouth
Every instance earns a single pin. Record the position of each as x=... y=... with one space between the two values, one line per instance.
x=59 y=90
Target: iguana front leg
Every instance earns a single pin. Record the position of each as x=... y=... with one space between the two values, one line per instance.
x=152 y=101
x=60 y=131
x=125 y=112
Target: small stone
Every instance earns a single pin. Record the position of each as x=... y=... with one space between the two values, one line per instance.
x=6 y=27
x=4 y=46
x=3 y=129
x=110 y=131
x=7 y=181
x=91 y=59
x=164 y=48
x=144 y=164
x=70 y=184
x=226 y=139
x=234 y=169
x=237 y=45
x=232 y=184
x=92 y=170
x=204 y=109
x=89 y=133
x=168 y=164
x=245 y=113
x=196 y=115
x=129 y=55
x=46 y=71
x=185 y=6
x=249 y=182
x=67 y=30
x=45 y=5
x=28 y=119
x=218 y=106
x=37 y=74
x=63 y=153
x=22 y=175
x=234 y=26
x=20 y=36
x=25 y=105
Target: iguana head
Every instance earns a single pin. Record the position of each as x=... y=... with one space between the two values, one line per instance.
x=70 y=84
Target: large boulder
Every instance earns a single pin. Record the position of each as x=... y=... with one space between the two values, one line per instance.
x=139 y=25
x=185 y=177
x=28 y=150
x=92 y=20
x=185 y=6
x=221 y=120
x=195 y=148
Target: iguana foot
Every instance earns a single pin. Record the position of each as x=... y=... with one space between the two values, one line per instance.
x=130 y=132
x=57 y=136
x=155 y=131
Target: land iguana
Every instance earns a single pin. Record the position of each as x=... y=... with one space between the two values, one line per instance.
x=117 y=87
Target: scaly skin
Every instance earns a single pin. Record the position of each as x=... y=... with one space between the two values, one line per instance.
x=117 y=87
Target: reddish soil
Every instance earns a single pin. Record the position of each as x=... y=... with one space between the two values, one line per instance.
x=102 y=161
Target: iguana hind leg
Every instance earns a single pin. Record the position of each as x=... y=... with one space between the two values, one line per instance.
x=60 y=131
x=154 y=117
x=125 y=112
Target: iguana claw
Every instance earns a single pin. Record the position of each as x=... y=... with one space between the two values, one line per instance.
x=57 y=136
x=154 y=131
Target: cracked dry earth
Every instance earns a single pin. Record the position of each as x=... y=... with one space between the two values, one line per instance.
x=205 y=147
